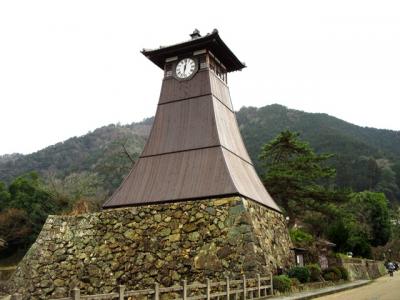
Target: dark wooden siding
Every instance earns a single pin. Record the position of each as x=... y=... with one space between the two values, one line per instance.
x=246 y=180
x=228 y=130
x=183 y=125
x=191 y=174
x=220 y=90
x=203 y=83
x=173 y=90
x=175 y=176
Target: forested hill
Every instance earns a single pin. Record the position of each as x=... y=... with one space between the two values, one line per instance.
x=325 y=133
x=101 y=151
x=365 y=158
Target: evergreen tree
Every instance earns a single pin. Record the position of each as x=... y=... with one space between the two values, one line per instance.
x=295 y=175
x=4 y=196
x=371 y=211
x=25 y=206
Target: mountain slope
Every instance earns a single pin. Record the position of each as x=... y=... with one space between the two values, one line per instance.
x=100 y=151
x=325 y=133
x=365 y=158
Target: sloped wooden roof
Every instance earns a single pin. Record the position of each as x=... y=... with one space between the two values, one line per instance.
x=211 y=41
x=194 y=174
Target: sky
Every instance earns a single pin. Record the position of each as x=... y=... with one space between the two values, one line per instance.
x=69 y=67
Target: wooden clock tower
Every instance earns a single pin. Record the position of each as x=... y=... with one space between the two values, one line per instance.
x=195 y=150
x=191 y=208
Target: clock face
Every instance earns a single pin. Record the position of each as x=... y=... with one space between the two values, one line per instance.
x=185 y=68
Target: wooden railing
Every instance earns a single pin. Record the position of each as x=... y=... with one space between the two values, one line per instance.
x=252 y=288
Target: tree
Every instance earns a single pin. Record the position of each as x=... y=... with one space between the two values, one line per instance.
x=29 y=205
x=361 y=222
x=388 y=185
x=75 y=189
x=295 y=175
x=396 y=170
x=4 y=196
x=359 y=245
x=371 y=212
x=76 y=186
x=395 y=221
x=116 y=162
x=15 y=227
x=338 y=232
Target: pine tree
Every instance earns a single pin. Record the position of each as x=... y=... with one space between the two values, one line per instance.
x=295 y=175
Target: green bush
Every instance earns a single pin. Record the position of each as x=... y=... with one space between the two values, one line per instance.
x=332 y=274
x=301 y=273
x=344 y=272
x=282 y=283
x=315 y=272
x=329 y=276
x=337 y=272
x=300 y=237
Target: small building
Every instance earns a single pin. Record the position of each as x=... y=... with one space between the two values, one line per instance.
x=299 y=254
x=319 y=252
x=324 y=249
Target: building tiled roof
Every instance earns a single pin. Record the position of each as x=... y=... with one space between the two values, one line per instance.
x=211 y=41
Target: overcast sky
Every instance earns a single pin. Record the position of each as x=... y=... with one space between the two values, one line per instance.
x=68 y=67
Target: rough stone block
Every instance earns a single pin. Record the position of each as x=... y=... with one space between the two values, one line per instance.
x=139 y=246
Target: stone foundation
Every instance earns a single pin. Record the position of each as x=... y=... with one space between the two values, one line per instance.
x=138 y=246
x=361 y=268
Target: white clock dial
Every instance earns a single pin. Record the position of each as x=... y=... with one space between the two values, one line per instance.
x=185 y=68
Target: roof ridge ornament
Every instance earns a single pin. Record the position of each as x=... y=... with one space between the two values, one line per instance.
x=195 y=34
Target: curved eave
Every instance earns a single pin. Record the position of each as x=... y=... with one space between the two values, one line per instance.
x=212 y=42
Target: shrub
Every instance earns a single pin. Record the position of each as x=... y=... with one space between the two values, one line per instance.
x=300 y=237
x=329 y=276
x=332 y=274
x=295 y=282
x=282 y=283
x=337 y=272
x=315 y=272
x=301 y=273
x=344 y=272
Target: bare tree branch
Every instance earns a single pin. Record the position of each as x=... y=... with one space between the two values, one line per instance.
x=125 y=151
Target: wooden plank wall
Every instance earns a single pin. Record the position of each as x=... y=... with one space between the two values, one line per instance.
x=247 y=181
x=183 y=125
x=173 y=90
x=183 y=175
x=220 y=90
x=228 y=130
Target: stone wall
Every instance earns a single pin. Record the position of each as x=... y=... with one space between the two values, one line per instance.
x=166 y=243
x=360 y=268
x=6 y=272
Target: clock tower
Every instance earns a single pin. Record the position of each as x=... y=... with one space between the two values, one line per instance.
x=192 y=207
x=195 y=150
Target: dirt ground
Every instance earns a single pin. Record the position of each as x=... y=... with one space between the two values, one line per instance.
x=384 y=288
